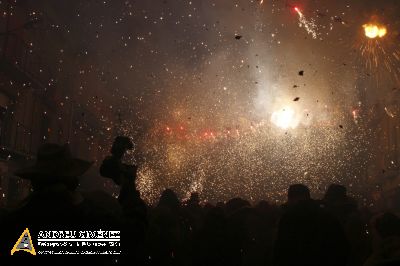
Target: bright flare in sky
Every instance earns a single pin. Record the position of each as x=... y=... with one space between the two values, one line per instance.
x=373 y=31
x=284 y=118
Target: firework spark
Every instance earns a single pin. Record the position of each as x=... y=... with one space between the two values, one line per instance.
x=379 y=53
x=231 y=127
x=309 y=25
x=234 y=160
x=389 y=113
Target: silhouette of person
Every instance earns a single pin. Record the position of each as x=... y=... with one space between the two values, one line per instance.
x=338 y=203
x=133 y=207
x=54 y=179
x=121 y=173
x=307 y=235
x=344 y=208
x=54 y=203
x=166 y=236
x=386 y=230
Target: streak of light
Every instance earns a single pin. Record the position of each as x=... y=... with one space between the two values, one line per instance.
x=309 y=25
x=389 y=113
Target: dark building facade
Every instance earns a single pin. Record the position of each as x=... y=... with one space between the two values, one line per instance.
x=34 y=105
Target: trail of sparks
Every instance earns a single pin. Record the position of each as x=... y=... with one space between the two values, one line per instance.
x=378 y=53
x=389 y=113
x=309 y=25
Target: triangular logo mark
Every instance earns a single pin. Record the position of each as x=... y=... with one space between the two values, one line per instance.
x=24 y=243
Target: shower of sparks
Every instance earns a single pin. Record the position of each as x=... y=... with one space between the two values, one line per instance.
x=309 y=25
x=372 y=52
x=205 y=89
x=381 y=55
x=224 y=163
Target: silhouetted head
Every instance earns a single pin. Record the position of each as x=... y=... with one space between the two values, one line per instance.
x=120 y=145
x=298 y=193
x=263 y=205
x=220 y=204
x=335 y=192
x=54 y=165
x=169 y=199
x=388 y=225
x=235 y=204
x=194 y=199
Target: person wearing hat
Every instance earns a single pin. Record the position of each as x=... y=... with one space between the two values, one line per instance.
x=54 y=203
x=54 y=167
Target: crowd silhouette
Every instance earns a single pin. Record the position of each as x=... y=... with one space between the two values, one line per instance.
x=303 y=231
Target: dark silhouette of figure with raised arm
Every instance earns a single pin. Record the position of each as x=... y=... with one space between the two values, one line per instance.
x=121 y=173
x=133 y=207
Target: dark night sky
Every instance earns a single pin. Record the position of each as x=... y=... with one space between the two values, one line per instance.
x=158 y=52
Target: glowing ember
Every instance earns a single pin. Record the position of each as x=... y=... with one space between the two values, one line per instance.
x=373 y=31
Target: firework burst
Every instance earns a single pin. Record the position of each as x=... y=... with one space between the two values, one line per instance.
x=379 y=52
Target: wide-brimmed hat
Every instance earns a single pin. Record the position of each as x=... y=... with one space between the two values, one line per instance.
x=54 y=161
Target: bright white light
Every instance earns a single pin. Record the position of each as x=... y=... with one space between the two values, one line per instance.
x=284 y=118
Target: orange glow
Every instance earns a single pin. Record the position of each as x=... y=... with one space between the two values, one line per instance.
x=373 y=31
